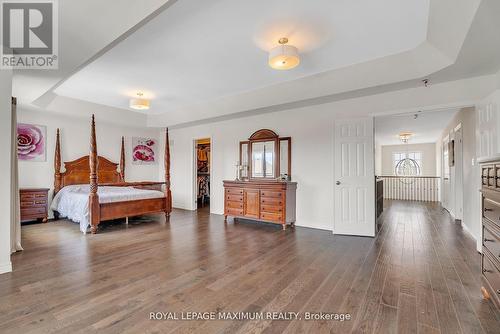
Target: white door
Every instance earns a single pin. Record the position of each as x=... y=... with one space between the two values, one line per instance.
x=451 y=187
x=354 y=178
x=445 y=198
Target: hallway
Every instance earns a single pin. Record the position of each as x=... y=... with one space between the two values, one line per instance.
x=432 y=273
x=420 y=274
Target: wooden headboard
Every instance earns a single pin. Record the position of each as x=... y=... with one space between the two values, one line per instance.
x=78 y=171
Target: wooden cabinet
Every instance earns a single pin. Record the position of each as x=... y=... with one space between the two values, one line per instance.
x=490 y=179
x=272 y=202
x=34 y=203
x=251 y=205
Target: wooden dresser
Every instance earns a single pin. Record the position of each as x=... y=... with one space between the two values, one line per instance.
x=34 y=203
x=268 y=201
x=490 y=177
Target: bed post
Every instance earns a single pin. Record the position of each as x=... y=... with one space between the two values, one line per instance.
x=122 y=160
x=57 y=169
x=93 y=196
x=168 y=193
x=57 y=164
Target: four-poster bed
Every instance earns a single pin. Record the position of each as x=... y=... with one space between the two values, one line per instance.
x=109 y=195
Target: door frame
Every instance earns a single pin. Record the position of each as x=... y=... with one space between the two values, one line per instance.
x=459 y=174
x=445 y=183
x=194 y=171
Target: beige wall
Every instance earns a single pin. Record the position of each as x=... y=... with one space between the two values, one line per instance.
x=428 y=157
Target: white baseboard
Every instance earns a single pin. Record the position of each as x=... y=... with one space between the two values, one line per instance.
x=478 y=241
x=5 y=267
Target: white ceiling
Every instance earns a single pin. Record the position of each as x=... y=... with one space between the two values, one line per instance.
x=84 y=30
x=200 y=51
x=355 y=50
x=427 y=127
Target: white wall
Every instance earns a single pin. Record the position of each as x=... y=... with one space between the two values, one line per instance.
x=75 y=138
x=311 y=130
x=378 y=159
x=428 y=151
x=438 y=157
x=5 y=152
x=471 y=175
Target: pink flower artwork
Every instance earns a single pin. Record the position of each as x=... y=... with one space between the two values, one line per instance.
x=143 y=151
x=31 y=142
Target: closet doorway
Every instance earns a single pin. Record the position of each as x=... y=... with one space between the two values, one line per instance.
x=202 y=168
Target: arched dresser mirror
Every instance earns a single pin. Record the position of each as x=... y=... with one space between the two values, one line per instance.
x=263 y=189
x=266 y=156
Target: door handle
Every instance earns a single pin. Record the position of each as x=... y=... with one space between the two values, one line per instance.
x=337 y=183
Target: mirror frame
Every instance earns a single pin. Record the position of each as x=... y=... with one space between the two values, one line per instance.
x=262 y=136
x=289 y=162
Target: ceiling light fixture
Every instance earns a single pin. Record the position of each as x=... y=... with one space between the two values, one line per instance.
x=139 y=103
x=284 y=56
x=405 y=137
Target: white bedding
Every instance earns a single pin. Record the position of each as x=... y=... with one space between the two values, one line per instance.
x=73 y=201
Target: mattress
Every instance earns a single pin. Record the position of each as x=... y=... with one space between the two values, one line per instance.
x=72 y=202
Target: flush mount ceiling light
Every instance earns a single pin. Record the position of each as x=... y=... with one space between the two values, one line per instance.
x=284 y=56
x=139 y=103
x=405 y=136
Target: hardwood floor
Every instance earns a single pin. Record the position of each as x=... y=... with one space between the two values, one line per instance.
x=421 y=274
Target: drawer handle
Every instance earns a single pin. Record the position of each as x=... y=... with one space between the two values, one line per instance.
x=487 y=271
x=487 y=209
x=490 y=240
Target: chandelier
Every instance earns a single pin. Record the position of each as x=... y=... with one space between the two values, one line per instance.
x=407 y=167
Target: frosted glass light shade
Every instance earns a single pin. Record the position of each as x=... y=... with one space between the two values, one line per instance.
x=139 y=104
x=284 y=57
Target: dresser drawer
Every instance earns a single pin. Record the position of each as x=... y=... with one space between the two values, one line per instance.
x=484 y=176
x=33 y=211
x=274 y=194
x=234 y=212
x=271 y=208
x=492 y=275
x=492 y=242
x=27 y=196
x=32 y=203
x=273 y=201
x=234 y=205
x=491 y=177
x=275 y=217
x=491 y=210
x=234 y=191
x=27 y=203
x=234 y=198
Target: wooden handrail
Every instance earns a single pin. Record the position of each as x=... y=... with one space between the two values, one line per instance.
x=406 y=177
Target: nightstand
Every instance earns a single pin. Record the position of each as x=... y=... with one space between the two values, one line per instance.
x=34 y=204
